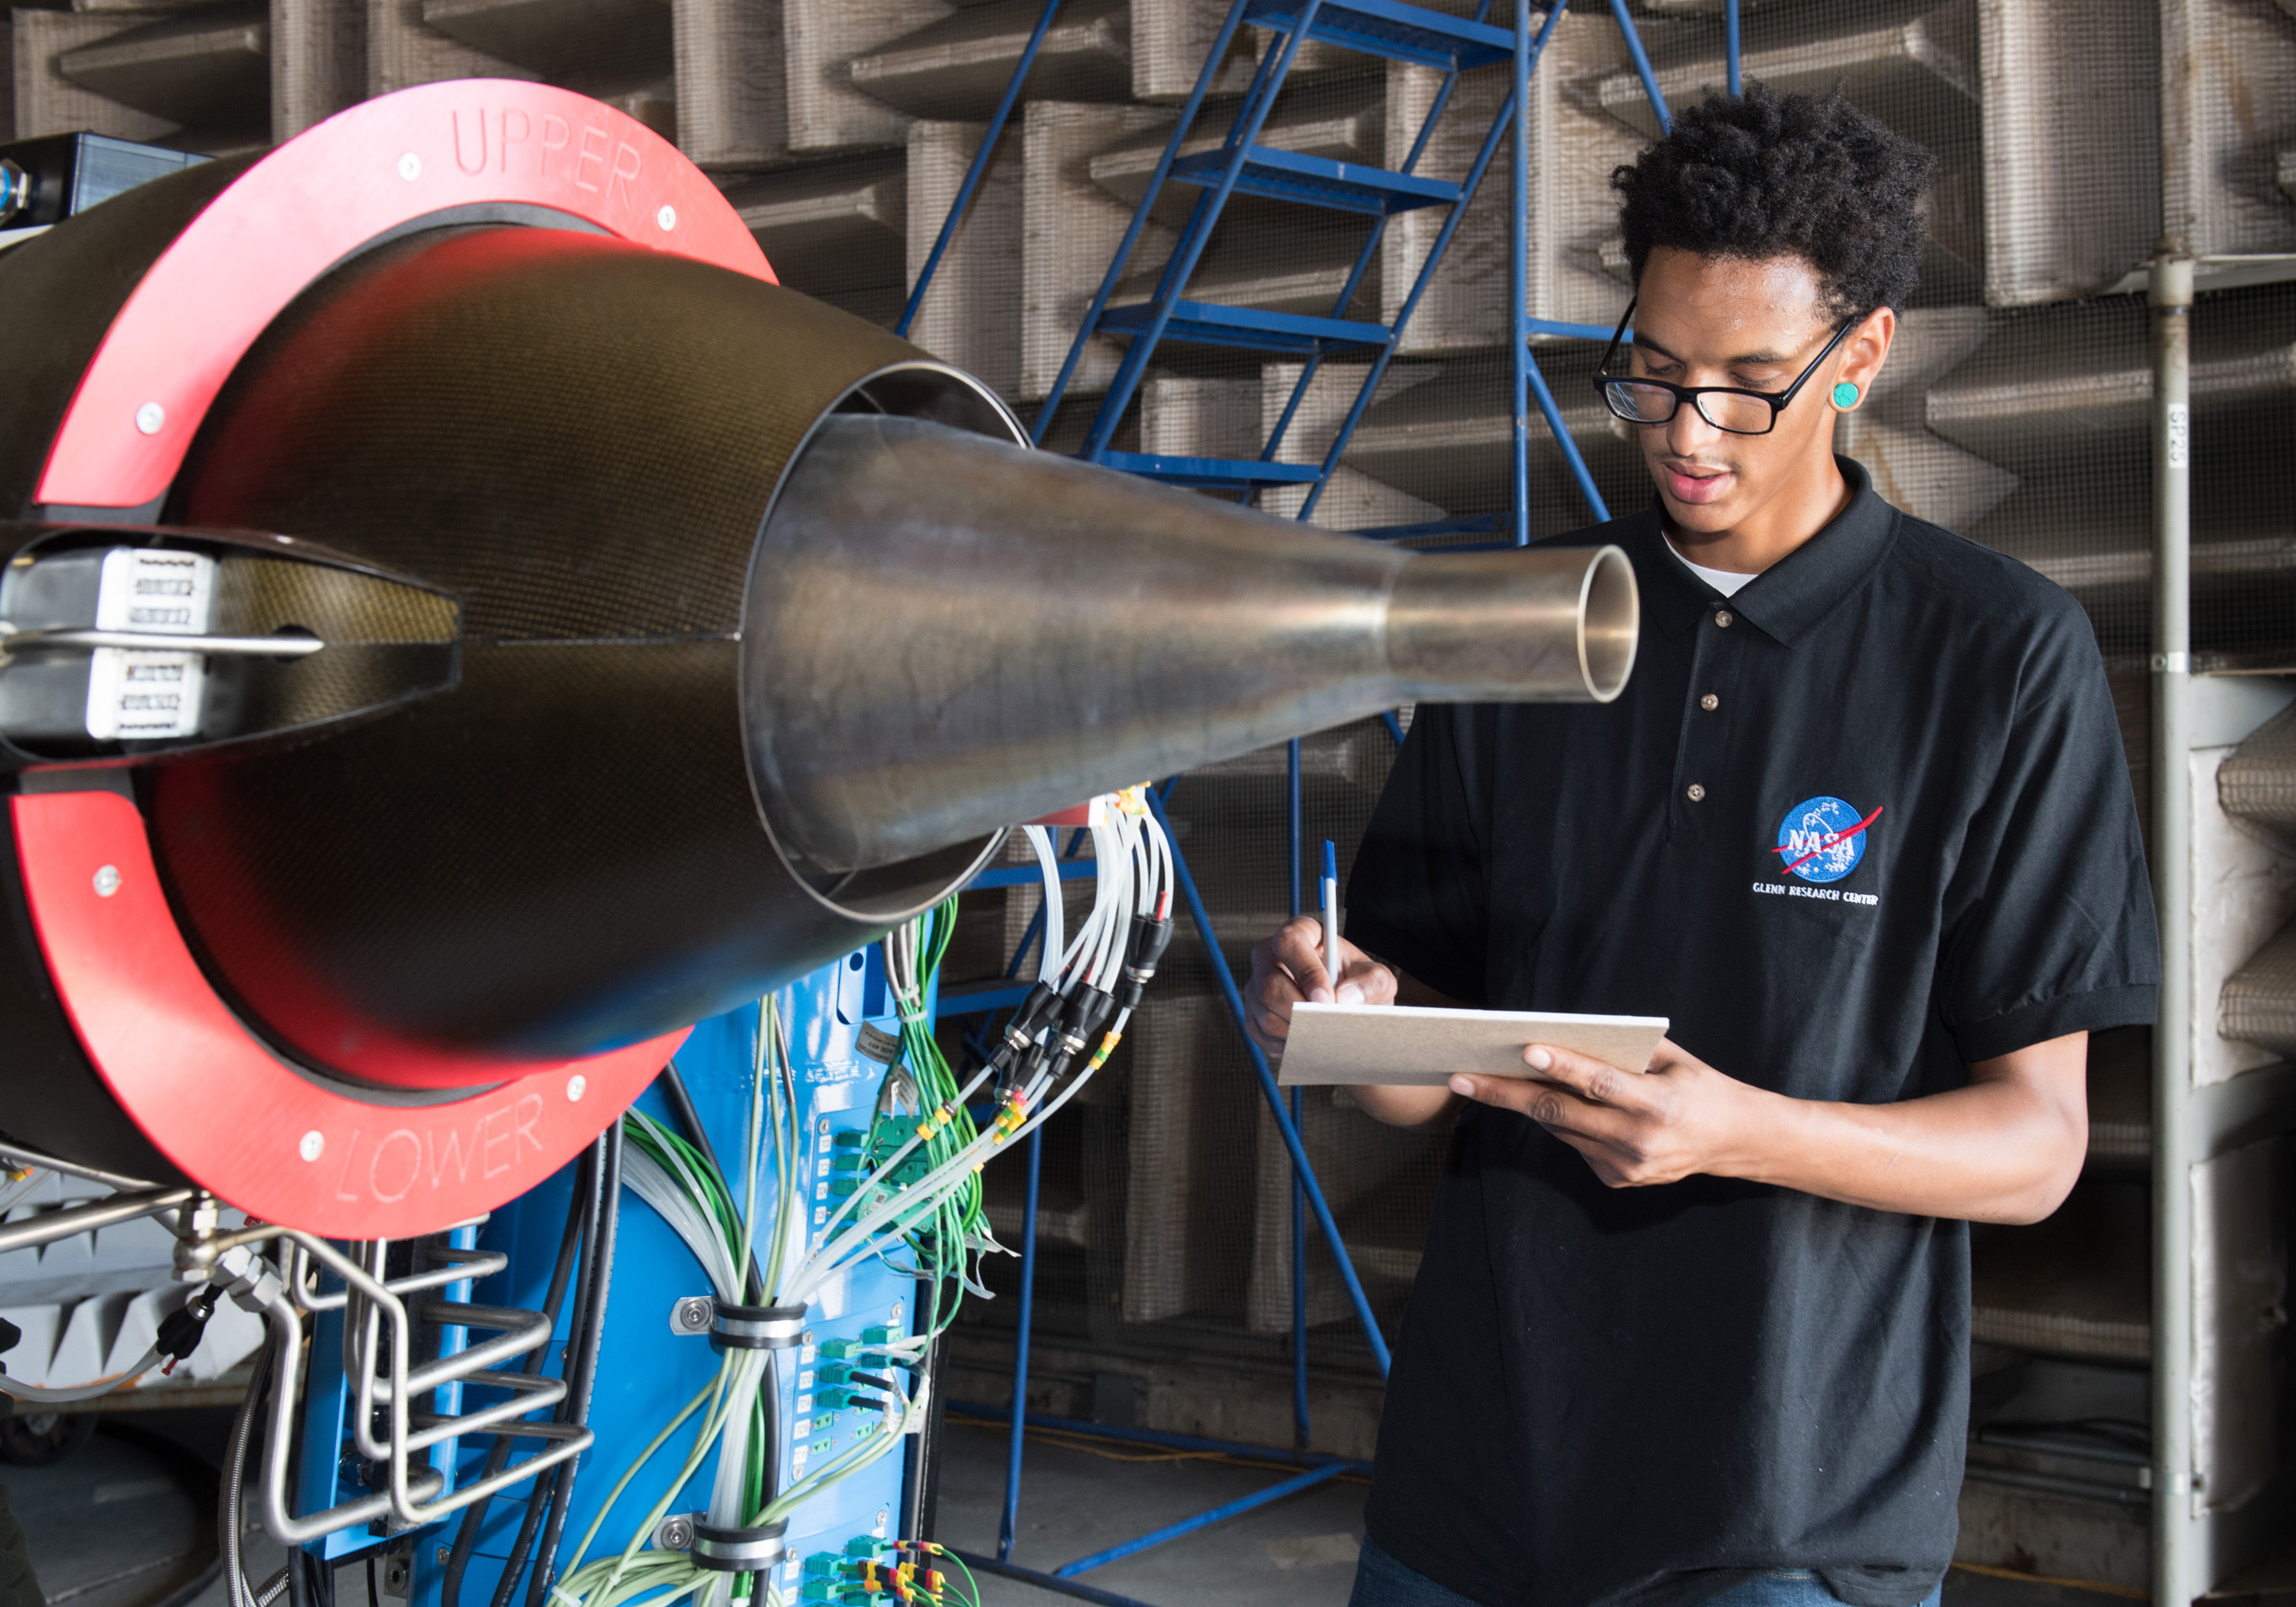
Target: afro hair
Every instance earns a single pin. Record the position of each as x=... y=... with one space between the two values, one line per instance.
x=1756 y=176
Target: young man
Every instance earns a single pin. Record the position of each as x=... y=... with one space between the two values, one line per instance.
x=1862 y=827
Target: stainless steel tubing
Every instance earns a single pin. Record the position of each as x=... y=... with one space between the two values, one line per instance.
x=943 y=635
x=2175 y=1554
x=51 y=1225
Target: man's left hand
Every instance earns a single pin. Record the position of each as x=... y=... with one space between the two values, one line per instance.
x=1679 y=1117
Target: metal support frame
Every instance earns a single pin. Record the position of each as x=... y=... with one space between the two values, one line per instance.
x=1316 y=1469
x=2174 y=1580
x=1527 y=384
x=979 y=170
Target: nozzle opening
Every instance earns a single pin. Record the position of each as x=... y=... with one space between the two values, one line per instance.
x=895 y=891
x=1610 y=606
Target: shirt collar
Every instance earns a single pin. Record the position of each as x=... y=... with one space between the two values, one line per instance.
x=1791 y=594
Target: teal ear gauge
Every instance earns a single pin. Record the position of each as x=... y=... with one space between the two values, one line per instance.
x=1845 y=395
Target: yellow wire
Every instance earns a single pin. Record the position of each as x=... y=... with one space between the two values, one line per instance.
x=2099 y=1586
x=1070 y=1439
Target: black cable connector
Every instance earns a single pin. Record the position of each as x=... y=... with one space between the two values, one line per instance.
x=1021 y=1032
x=181 y=1330
x=1082 y=1015
x=1150 y=937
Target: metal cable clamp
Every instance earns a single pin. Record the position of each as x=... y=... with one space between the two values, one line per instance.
x=755 y=1327
x=740 y=1550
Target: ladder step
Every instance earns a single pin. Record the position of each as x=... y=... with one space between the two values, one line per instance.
x=1390 y=29
x=1233 y=474
x=1206 y=323
x=1318 y=181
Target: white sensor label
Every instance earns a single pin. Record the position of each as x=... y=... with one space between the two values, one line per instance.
x=133 y=693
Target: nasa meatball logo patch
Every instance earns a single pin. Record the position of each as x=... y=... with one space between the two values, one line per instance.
x=1820 y=840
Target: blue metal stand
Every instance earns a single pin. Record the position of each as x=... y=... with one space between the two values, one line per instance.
x=1242 y=165
x=1300 y=1435
x=1004 y=1524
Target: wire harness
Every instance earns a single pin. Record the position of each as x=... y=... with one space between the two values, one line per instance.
x=907 y=1192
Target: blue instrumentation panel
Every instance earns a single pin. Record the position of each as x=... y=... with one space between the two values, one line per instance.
x=651 y=1368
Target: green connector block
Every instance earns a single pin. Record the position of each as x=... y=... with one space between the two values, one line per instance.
x=877 y=1336
x=830 y=1374
x=832 y=1400
x=866 y=1548
x=840 y=1349
x=821 y=1590
x=843 y=1186
x=829 y=1444
x=823 y=1563
x=849 y=1138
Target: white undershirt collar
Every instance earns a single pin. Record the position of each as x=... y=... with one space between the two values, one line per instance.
x=1725 y=581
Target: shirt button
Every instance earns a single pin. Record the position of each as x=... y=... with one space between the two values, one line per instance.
x=1697 y=793
x=1709 y=702
x=1722 y=617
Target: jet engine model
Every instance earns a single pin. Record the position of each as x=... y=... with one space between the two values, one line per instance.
x=465 y=623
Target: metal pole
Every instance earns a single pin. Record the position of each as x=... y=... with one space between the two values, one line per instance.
x=1173 y=284
x=1188 y=1526
x=1643 y=67
x=1518 y=272
x=1299 y=1192
x=2173 y=1584
x=1020 y=1351
x=1289 y=1133
x=1052 y=402
x=979 y=169
x=1573 y=458
x=49 y=1227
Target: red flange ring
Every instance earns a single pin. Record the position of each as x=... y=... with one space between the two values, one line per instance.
x=233 y=1115
x=321 y=196
x=214 y=1100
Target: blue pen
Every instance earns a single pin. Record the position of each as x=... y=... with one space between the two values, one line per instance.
x=1331 y=915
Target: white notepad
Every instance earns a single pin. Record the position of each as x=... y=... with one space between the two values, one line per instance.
x=1402 y=1043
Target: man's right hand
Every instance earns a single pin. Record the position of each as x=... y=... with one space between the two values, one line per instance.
x=1288 y=968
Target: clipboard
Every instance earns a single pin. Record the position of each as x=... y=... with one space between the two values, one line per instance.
x=1416 y=1044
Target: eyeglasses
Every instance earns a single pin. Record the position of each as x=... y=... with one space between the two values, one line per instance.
x=1726 y=407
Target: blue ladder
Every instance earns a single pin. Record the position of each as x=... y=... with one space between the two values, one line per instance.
x=1241 y=165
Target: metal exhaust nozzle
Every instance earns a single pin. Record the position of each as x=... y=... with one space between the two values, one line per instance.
x=944 y=634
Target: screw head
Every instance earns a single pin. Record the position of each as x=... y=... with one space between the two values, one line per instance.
x=691 y=1314
x=442 y=1554
x=824 y=1128
x=107 y=881
x=150 y=418
x=666 y=218
x=675 y=1533
x=313 y=1146
x=410 y=167
x=576 y=1086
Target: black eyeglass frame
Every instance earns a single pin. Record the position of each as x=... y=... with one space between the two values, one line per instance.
x=1777 y=399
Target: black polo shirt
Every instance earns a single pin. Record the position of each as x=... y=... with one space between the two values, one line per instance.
x=1861 y=823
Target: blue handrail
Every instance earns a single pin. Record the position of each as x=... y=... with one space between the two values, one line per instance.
x=1242 y=133
x=976 y=170
x=1132 y=231
x=1643 y=66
